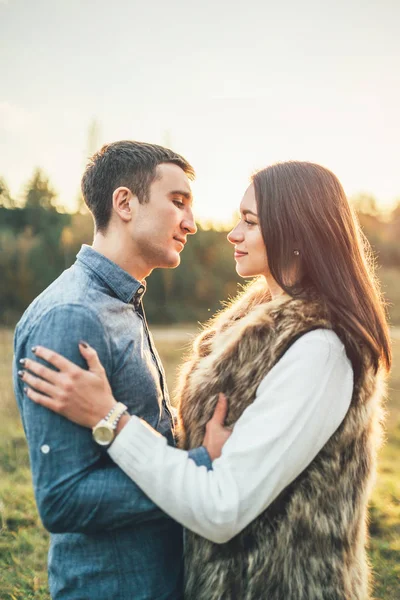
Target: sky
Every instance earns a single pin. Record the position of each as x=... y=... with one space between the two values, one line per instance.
x=231 y=85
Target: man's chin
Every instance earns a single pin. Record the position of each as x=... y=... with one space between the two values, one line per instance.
x=171 y=261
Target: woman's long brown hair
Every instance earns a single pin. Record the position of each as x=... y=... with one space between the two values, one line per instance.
x=302 y=206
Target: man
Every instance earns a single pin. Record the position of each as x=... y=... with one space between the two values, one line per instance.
x=109 y=541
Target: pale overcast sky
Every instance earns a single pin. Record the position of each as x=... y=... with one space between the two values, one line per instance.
x=231 y=85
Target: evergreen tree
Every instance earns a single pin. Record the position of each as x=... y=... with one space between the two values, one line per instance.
x=38 y=192
x=5 y=197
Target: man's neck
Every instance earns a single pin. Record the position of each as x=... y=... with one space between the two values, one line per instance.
x=114 y=248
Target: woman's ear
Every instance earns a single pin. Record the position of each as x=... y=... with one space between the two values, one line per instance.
x=124 y=203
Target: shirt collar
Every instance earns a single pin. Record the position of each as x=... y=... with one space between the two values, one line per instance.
x=126 y=287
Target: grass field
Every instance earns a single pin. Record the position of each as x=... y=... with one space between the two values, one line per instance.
x=23 y=541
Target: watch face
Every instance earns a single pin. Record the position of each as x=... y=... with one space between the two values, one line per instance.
x=103 y=435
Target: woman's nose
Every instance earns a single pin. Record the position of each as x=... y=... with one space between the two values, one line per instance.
x=235 y=235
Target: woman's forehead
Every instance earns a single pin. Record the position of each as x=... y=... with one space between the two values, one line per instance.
x=249 y=200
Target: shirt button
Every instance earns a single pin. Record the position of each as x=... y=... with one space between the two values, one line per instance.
x=45 y=449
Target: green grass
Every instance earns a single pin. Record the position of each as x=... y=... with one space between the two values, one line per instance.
x=23 y=541
x=385 y=503
x=390 y=284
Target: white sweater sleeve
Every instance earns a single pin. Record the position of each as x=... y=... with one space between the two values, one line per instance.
x=298 y=406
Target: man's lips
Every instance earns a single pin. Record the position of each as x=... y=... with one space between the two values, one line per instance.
x=181 y=241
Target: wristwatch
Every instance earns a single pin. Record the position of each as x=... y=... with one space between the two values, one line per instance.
x=104 y=431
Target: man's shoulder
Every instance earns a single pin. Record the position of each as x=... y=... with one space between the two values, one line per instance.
x=70 y=293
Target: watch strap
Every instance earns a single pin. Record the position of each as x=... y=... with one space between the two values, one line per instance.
x=116 y=413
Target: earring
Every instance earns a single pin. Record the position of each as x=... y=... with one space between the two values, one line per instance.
x=296 y=252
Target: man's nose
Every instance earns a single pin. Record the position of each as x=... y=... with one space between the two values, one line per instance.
x=188 y=224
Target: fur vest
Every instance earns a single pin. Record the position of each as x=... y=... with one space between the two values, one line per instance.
x=309 y=544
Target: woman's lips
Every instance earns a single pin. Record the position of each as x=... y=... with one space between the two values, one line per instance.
x=239 y=254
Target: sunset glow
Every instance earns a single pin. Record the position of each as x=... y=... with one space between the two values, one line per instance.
x=232 y=87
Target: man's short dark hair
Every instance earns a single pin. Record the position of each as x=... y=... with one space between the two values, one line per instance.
x=129 y=164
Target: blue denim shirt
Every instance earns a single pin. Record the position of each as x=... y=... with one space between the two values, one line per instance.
x=108 y=539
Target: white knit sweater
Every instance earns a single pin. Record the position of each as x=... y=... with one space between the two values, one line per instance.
x=298 y=406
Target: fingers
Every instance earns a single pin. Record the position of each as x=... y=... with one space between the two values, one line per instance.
x=37 y=383
x=52 y=357
x=221 y=409
x=91 y=357
x=44 y=372
x=43 y=400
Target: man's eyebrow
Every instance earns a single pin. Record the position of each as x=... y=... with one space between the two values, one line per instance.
x=186 y=195
x=246 y=211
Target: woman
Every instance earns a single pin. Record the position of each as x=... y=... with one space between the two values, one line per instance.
x=301 y=356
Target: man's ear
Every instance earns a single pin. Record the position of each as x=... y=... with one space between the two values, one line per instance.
x=124 y=203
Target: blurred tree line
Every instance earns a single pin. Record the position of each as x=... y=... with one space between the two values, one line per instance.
x=38 y=241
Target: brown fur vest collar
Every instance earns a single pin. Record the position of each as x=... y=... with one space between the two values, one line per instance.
x=309 y=543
